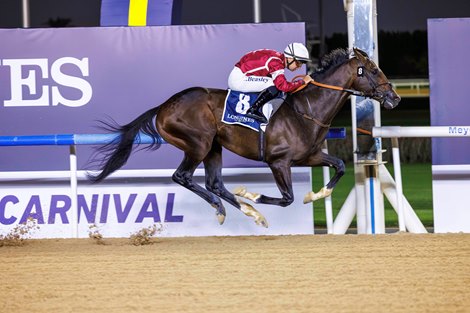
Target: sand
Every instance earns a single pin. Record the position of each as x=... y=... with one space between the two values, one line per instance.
x=318 y=273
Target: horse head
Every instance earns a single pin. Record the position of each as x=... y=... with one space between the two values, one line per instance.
x=372 y=81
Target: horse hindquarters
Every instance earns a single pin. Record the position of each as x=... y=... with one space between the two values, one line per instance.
x=187 y=122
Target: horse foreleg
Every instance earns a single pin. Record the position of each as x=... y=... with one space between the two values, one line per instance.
x=214 y=183
x=323 y=159
x=283 y=178
x=184 y=176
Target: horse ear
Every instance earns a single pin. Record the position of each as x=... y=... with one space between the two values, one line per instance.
x=361 y=55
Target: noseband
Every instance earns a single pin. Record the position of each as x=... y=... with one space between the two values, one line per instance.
x=375 y=93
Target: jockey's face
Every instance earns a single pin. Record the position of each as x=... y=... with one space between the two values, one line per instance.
x=292 y=65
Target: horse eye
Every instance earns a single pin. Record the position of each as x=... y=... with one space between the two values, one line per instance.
x=374 y=71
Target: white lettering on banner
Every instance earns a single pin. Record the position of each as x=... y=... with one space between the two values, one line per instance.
x=17 y=82
x=39 y=67
x=459 y=130
x=71 y=81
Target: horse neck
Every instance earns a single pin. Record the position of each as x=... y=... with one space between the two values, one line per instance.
x=326 y=103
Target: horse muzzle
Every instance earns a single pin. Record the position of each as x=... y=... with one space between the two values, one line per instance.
x=388 y=100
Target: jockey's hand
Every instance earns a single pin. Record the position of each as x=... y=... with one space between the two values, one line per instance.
x=307 y=79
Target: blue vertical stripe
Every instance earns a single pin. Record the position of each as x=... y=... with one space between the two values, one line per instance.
x=372 y=204
x=159 y=12
x=114 y=12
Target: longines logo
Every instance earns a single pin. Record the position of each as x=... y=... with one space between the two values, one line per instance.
x=29 y=90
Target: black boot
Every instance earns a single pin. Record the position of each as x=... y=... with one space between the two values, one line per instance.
x=255 y=111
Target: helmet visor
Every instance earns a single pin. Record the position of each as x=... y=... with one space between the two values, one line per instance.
x=299 y=62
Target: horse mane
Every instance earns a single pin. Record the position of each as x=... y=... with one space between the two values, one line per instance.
x=331 y=61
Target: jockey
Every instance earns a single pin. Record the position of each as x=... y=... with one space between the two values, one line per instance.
x=263 y=70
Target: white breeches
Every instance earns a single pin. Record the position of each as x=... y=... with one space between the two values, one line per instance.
x=239 y=82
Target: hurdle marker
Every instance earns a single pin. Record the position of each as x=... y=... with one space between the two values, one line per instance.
x=395 y=132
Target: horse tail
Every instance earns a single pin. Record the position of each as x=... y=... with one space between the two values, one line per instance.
x=117 y=152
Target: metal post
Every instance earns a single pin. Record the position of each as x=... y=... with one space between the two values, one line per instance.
x=257 y=11
x=322 y=28
x=328 y=202
x=26 y=22
x=362 y=33
x=73 y=191
x=398 y=182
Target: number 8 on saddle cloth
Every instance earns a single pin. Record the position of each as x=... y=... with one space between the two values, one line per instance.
x=237 y=103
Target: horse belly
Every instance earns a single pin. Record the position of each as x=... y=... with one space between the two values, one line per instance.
x=240 y=140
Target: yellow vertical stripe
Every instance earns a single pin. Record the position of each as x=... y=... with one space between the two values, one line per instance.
x=138 y=12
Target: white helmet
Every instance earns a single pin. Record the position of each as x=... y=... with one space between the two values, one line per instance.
x=297 y=51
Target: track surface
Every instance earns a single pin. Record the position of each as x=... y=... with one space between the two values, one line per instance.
x=321 y=273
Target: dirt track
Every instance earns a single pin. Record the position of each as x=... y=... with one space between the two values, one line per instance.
x=321 y=273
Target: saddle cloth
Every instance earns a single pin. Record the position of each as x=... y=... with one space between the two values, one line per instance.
x=236 y=105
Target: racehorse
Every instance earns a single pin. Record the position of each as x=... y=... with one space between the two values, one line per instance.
x=191 y=121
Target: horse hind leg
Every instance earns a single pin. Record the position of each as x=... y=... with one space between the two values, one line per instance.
x=282 y=175
x=184 y=176
x=331 y=161
x=214 y=183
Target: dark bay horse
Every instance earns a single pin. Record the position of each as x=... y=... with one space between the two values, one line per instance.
x=191 y=121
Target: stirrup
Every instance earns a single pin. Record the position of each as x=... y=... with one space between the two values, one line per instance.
x=257 y=115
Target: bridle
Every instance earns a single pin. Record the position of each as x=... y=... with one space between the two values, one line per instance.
x=375 y=93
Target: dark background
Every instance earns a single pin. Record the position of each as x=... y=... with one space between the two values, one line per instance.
x=401 y=23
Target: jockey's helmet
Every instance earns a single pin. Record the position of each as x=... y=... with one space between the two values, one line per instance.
x=297 y=51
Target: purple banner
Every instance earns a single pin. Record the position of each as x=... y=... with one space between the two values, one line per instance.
x=449 y=68
x=63 y=80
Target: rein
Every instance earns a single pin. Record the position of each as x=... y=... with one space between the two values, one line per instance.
x=374 y=94
x=326 y=86
x=308 y=117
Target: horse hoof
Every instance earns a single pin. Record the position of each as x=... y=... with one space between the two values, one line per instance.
x=220 y=218
x=249 y=210
x=262 y=222
x=308 y=197
x=239 y=191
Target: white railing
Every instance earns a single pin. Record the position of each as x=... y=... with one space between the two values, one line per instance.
x=412 y=87
x=395 y=132
x=73 y=174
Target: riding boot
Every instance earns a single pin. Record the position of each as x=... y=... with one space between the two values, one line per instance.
x=255 y=111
